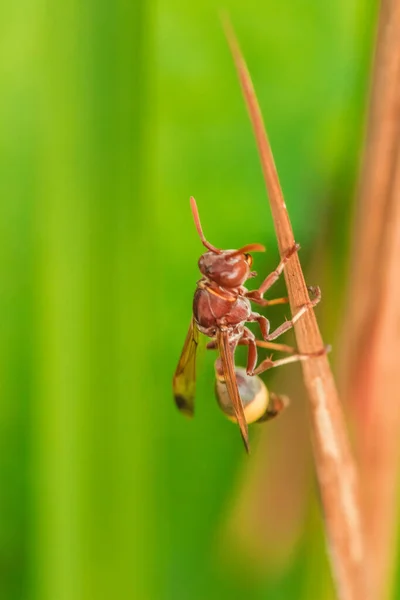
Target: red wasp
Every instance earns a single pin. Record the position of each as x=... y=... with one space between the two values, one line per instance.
x=221 y=309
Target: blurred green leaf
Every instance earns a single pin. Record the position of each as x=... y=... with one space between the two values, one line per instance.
x=112 y=115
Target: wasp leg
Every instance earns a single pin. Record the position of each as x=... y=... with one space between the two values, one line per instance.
x=212 y=345
x=265 y=325
x=268 y=363
x=276 y=347
x=248 y=339
x=257 y=295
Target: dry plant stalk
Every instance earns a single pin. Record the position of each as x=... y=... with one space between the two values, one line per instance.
x=334 y=462
x=371 y=332
x=375 y=183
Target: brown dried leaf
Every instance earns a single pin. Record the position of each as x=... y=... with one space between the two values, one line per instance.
x=334 y=462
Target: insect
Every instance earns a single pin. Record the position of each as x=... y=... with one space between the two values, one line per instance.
x=221 y=309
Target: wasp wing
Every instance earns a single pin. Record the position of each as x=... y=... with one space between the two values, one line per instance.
x=184 y=382
x=228 y=368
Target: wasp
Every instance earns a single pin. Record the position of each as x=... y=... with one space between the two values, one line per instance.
x=221 y=309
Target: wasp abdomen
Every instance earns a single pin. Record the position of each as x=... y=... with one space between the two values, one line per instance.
x=258 y=404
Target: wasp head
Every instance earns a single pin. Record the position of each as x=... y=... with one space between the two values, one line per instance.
x=228 y=268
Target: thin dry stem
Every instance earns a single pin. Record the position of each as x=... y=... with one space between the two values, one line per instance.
x=334 y=463
x=372 y=329
x=376 y=178
x=377 y=385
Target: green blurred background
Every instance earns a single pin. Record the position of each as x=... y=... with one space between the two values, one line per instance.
x=111 y=116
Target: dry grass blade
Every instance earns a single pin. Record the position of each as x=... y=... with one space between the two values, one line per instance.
x=371 y=333
x=377 y=386
x=334 y=463
x=376 y=179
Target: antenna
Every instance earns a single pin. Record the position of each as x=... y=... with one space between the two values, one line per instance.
x=248 y=248
x=199 y=229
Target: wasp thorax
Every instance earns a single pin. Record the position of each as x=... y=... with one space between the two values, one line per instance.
x=226 y=269
x=253 y=393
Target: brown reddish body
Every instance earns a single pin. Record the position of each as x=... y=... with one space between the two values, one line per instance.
x=221 y=309
x=212 y=310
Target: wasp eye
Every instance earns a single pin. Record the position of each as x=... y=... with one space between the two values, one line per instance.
x=248 y=259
